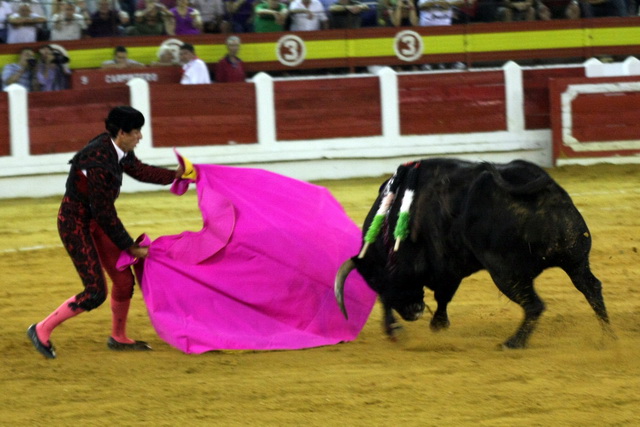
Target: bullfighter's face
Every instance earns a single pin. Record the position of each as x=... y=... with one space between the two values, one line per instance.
x=127 y=141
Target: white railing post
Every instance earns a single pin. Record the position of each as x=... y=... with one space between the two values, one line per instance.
x=514 y=97
x=140 y=99
x=265 y=109
x=631 y=66
x=389 y=103
x=18 y=121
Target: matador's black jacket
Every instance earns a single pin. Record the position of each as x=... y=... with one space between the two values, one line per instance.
x=93 y=196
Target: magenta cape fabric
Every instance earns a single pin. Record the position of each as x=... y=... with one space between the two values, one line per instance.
x=259 y=275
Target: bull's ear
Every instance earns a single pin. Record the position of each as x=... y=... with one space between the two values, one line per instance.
x=338 y=286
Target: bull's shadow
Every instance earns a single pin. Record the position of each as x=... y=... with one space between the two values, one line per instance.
x=438 y=221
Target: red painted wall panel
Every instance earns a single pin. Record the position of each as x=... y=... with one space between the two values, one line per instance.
x=327 y=108
x=64 y=121
x=452 y=103
x=216 y=114
x=5 y=147
x=606 y=117
x=536 y=94
x=596 y=120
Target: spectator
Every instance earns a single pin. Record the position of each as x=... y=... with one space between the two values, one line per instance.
x=107 y=22
x=194 y=70
x=52 y=71
x=308 y=15
x=142 y=4
x=127 y=6
x=347 y=13
x=437 y=12
x=404 y=14
x=22 y=25
x=21 y=72
x=213 y=14
x=151 y=21
x=186 y=19
x=67 y=24
x=36 y=7
x=230 y=69
x=167 y=56
x=121 y=60
x=558 y=9
x=485 y=11
x=516 y=10
x=240 y=15
x=384 y=10
x=5 y=12
x=598 y=8
x=270 y=16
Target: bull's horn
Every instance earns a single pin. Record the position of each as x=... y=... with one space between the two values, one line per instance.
x=338 y=286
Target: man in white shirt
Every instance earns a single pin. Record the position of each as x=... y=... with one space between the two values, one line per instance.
x=22 y=25
x=437 y=12
x=67 y=24
x=194 y=70
x=308 y=15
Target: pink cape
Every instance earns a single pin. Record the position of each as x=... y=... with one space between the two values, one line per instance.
x=259 y=275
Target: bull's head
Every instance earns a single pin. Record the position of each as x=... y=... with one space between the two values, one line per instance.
x=403 y=296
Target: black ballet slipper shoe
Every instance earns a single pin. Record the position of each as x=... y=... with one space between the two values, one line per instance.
x=47 y=351
x=119 y=346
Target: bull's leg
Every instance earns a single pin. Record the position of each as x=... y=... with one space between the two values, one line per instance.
x=443 y=297
x=584 y=280
x=522 y=293
x=390 y=325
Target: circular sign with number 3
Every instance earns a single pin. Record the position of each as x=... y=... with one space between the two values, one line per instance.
x=408 y=45
x=291 y=50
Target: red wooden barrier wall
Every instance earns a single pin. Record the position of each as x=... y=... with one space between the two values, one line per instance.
x=216 y=114
x=616 y=115
x=5 y=147
x=600 y=122
x=536 y=94
x=86 y=78
x=327 y=108
x=452 y=103
x=64 y=121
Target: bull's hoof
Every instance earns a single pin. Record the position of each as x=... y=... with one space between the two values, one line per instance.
x=512 y=344
x=439 y=324
x=393 y=331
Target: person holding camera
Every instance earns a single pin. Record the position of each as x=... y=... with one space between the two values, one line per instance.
x=51 y=71
x=404 y=14
x=20 y=72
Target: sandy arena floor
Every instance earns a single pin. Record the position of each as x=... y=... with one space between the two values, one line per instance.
x=570 y=375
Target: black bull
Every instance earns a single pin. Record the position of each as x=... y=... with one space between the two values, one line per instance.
x=512 y=220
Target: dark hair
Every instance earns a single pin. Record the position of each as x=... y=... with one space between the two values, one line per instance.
x=123 y=118
x=189 y=47
x=120 y=49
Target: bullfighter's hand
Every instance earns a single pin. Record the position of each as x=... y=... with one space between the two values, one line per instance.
x=138 y=251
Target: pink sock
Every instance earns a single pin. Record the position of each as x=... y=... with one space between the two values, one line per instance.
x=120 y=310
x=59 y=315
